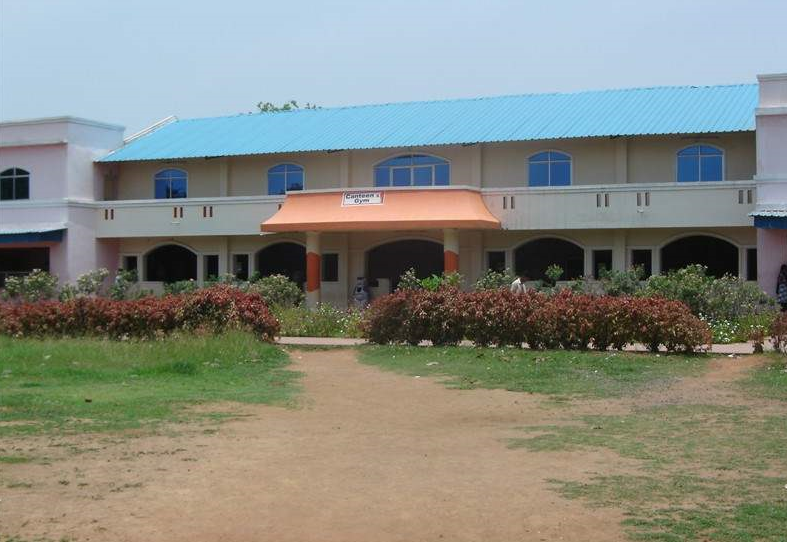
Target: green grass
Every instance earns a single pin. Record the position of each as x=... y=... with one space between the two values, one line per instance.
x=708 y=472
x=78 y=385
x=770 y=380
x=562 y=373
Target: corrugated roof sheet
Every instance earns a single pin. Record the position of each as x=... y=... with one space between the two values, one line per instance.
x=626 y=112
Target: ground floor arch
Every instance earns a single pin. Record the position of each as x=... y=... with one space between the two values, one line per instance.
x=390 y=260
x=170 y=263
x=718 y=255
x=284 y=258
x=532 y=258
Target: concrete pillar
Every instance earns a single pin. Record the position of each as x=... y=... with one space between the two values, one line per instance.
x=312 y=269
x=621 y=160
x=450 y=251
x=655 y=261
x=224 y=182
x=619 y=250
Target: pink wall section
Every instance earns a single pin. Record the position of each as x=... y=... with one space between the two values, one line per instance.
x=771 y=176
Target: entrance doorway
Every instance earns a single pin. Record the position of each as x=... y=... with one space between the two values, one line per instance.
x=533 y=258
x=288 y=259
x=170 y=263
x=391 y=260
x=718 y=255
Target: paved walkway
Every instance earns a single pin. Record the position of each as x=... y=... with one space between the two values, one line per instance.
x=725 y=349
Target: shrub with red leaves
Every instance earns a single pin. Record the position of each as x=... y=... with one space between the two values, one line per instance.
x=212 y=310
x=778 y=333
x=568 y=320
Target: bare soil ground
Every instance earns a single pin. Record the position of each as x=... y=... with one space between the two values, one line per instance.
x=368 y=456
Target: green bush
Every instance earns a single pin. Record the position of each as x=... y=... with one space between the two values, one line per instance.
x=494 y=280
x=181 y=287
x=410 y=281
x=553 y=273
x=35 y=286
x=726 y=298
x=616 y=283
x=323 y=321
x=277 y=291
x=121 y=286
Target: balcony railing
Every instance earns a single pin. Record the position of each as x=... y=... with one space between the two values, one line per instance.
x=652 y=205
x=179 y=217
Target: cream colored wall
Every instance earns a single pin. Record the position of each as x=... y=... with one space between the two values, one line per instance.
x=505 y=164
x=461 y=160
x=135 y=179
x=248 y=175
x=652 y=159
x=596 y=161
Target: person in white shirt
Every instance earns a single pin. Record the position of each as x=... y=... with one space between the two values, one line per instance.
x=519 y=286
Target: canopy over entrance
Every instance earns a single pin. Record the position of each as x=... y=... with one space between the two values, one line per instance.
x=382 y=210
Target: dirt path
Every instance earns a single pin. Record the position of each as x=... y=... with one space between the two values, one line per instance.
x=371 y=455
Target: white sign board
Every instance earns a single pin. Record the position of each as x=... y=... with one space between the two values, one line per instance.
x=362 y=198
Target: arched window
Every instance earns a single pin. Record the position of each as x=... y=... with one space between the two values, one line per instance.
x=700 y=163
x=412 y=170
x=284 y=178
x=549 y=168
x=171 y=183
x=718 y=255
x=14 y=184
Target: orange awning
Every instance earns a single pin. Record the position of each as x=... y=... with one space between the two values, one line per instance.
x=382 y=210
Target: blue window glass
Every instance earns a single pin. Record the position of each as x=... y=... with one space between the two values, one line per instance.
x=710 y=168
x=549 y=168
x=422 y=176
x=284 y=178
x=413 y=170
x=688 y=169
x=170 y=183
x=700 y=163
x=402 y=176
x=276 y=186
x=441 y=176
x=539 y=174
x=382 y=176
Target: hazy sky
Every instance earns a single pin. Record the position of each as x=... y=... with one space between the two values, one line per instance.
x=135 y=62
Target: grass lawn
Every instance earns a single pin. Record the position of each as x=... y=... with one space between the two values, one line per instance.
x=553 y=372
x=74 y=385
x=710 y=472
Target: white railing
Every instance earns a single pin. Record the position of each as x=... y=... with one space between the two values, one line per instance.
x=651 y=205
x=192 y=216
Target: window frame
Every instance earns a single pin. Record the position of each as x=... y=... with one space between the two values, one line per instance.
x=16 y=177
x=169 y=186
x=549 y=168
x=699 y=164
x=287 y=163
x=411 y=167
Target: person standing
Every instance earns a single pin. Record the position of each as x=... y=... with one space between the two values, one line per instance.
x=519 y=286
x=781 y=288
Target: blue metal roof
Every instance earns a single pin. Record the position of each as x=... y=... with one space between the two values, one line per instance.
x=625 y=112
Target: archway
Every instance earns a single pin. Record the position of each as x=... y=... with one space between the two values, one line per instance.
x=532 y=258
x=285 y=258
x=170 y=263
x=718 y=255
x=390 y=260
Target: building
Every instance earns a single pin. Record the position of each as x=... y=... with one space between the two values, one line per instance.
x=49 y=184
x=658 y=177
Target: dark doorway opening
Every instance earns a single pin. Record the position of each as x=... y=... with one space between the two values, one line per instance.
x=719 y=256
x=21 y=261
x=170 y=263
x=533 y=258
x=288 y=259
x=391 y=260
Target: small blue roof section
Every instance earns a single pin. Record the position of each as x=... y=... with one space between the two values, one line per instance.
x=625 y=112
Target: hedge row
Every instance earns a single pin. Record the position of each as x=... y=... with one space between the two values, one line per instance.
x=564 y=320
x=210 y=310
